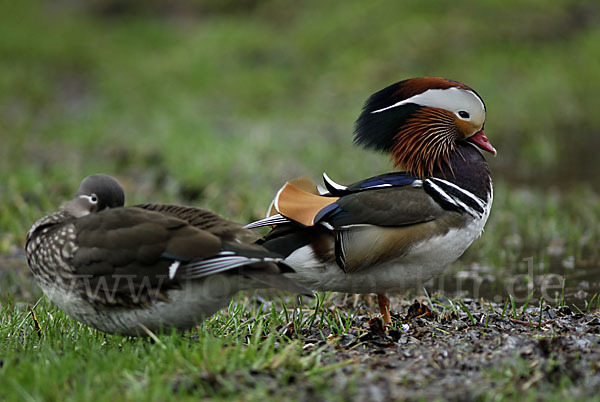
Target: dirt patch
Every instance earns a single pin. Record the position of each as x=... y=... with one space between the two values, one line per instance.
x=455 y=354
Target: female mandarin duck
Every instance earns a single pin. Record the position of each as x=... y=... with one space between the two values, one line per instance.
x=396 y=230
x=152 y=266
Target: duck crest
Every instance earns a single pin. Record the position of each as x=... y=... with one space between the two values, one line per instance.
x=418 y=121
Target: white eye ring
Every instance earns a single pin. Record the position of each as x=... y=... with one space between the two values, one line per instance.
x=93 y=198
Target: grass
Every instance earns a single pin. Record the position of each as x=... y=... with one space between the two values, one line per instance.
x=216 y=104
x=247 y=103
x=235 y=351
x=254 y=351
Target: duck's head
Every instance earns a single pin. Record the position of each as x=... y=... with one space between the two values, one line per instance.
x=95 y=193
x=420 y=121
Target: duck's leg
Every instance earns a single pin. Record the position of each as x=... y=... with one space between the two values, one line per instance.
x=384 y=307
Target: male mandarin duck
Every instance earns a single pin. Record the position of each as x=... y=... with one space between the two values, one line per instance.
x=127 y=270
x=396 y=230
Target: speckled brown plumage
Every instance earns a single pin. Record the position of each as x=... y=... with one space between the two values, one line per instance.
x=120 y=269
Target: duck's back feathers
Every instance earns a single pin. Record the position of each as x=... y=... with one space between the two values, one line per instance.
x=136 y=254
x=394 y=199
x=205 y=220
x=395 y=206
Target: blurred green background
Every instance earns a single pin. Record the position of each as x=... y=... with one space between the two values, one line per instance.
x=217 y=103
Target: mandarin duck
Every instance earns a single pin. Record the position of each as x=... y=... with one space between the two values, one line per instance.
x=130 y=270
x=397 y=230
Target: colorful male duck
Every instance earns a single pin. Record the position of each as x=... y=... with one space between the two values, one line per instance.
x=397 y=230
x=128 y=270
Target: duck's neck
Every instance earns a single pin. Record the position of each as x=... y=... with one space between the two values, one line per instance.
x=467 y=169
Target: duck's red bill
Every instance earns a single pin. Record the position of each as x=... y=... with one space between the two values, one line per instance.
x=482 y=142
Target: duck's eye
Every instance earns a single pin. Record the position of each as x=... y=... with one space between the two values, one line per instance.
x=463 y=114
x=94 y=198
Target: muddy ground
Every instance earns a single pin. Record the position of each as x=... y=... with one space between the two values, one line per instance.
x=463 y=356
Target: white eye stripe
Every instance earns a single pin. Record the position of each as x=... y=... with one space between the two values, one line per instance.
x=453 y=99
x=92 y=199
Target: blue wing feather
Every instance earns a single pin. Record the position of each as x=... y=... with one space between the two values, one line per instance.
x=399 y=179
x=174 y=257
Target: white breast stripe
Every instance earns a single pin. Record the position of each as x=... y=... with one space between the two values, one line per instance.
x=454 y=200
x=468 y=209
x=442 y=192
x=469 y=194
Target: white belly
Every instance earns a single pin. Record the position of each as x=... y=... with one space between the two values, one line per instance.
x=422 y=262
x=187 y=307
